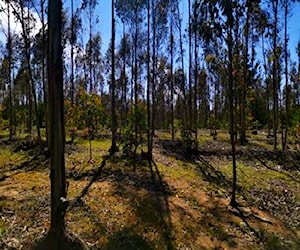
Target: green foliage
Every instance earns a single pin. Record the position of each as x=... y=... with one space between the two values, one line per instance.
x=187 y=139
x=271 y=241
x=87 y=114
x=1 y=115
x=3 y=229
x=137 y=120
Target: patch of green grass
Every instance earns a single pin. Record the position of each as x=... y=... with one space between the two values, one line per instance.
x=178 y=172
x=7 y=157
x=3 y=229
x=96 y=144
x=248 y=176
x=193 y=201
x=271 y=241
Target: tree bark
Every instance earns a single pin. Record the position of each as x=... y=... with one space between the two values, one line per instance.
x=9 y=75
x=113 y=148
x=172 y=76
x=148 y=86
x=285 y=135
x=243 y=139
x=56 y=121
x=275 y=74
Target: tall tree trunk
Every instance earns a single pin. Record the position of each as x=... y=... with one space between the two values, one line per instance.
x=56 y=122
x=185 y=108
x=231 y=95
x=136 y=78
x=123 y=74
x=9 y=75
x=195 y=30
x=31 y=80
x=44 y=71
x=172 y=75
x=285 y=125
x=190 y=106
x=72 y=66
x=31 y=87
x=90 y=48
x=148 y=86
x=243 y=139
x=153 y=83
x=275 y=74
x=113 y=148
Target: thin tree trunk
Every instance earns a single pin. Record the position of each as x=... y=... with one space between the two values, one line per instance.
x=148 y=87
x=243 y=139
x=190 y=71
x=275 y=74
x=185 y=108
x=232 y=118
x=172 y=77
x=195 y=78
x=72 y=66
x=285 y=136
x=153 y=73
x=9 y=75
x=113 y=148
x=135 y=79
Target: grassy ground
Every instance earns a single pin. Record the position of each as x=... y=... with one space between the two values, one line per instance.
x=181 y=201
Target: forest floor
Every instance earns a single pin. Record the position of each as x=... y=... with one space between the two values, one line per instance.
x=118 y=202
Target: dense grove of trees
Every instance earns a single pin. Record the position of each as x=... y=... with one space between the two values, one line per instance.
x=177 y=66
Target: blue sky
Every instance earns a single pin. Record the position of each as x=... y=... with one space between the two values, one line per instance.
x=294 y=30
x=103 y=10
x=105 y=24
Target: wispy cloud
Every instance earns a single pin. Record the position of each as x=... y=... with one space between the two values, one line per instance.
x=15 y=25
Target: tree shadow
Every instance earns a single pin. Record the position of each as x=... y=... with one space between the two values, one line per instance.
x=212 y=223
x=38 y=161
x=275 y=157
x=95 y=176
x=127 y=239
x=150 y=203
x=147 y=194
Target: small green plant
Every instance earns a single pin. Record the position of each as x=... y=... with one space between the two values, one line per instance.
x=271 y=241
x=3 y=229
x=135 y=130
x=188 y=142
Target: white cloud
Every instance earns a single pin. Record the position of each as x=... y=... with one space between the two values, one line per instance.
x=15 y=24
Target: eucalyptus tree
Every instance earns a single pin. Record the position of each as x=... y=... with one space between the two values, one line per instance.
x=89 y=6
x=26 y=19
x=182 y=87
x=227 y=9
x=113 y=148
x=190 y=105
x=74 y=27
x=171 y=69
x=9 y=47
x=275 y=69
x=223 y=27
x=123 y=56
x=149 y=139
x=131 y=13
x=56 y=124
x=286 y=5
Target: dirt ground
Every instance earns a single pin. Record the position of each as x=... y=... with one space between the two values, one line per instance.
x=181 y=201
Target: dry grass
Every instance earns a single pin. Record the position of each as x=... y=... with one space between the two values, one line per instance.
x=183 y=205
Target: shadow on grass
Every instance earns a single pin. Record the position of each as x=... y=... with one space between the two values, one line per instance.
x=128 y=239
x=96 y=174
x=148 y=196
x=275 y=157
x=37 y=162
